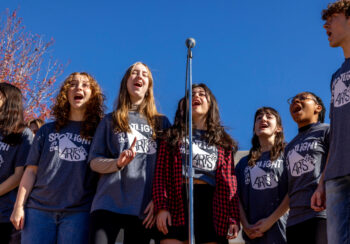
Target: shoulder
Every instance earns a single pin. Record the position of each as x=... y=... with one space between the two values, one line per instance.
x=163 y=121
x=242 y=163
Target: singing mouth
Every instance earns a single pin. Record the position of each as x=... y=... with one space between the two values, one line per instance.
x=78 y=97
x=138 y=84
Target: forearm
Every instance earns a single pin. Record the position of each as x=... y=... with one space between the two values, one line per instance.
x=243 y=216
x=281 y=210
x=104 y=165
x=321 y=182
x=11 y=182
x=26 y=185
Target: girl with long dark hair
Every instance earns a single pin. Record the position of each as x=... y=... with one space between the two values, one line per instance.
x=306 y=157
x=123 y=152
x=262 y=182
x=15 y=142
x=57 y=188
x=216 y=210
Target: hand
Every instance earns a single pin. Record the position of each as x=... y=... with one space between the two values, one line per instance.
x=17 y=218
x=127 y=155
x=150 y=219
x=318 y=199
x=252 y=234
x=163 y=218
x=232 y=232
x=262 y=225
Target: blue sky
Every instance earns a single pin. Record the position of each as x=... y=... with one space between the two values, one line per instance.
x=250 y=53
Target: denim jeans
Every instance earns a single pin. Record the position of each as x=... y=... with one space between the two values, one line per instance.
x=338 y=210
x=55 y=227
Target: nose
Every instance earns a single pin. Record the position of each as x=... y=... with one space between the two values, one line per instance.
x=79 y=86
x=264 y=118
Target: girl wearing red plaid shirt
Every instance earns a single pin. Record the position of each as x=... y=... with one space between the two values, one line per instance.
x=216 y=210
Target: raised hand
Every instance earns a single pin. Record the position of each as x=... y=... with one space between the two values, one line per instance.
x=127 y=155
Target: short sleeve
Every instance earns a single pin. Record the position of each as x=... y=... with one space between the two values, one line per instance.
x=27 y=140
x=37 y=147
x=99 y=146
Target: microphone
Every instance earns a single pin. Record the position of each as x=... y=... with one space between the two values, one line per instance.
x=190 y=42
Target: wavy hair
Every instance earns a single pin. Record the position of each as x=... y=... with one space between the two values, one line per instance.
x=11 y=114
x=94 y=107
x=279 y=144
x=215 y=133
x=123 y=104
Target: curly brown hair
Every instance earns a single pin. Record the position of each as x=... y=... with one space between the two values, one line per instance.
x=94 y=108
x=340 y=6
x=215 y=133
x=123 y=104
x=279 y=145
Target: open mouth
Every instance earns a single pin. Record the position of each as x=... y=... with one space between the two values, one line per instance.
x=263 y=126
x=296 y=109
x=196 y=103
x=138 y=84
x=78 y=97
x=329 y=33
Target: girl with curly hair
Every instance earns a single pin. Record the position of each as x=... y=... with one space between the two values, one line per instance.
x=57 y=188
x=124 y=152
x=15 y=142
x=216 y=209
x=262 y=182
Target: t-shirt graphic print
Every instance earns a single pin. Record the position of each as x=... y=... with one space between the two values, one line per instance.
x=298 y=164
x=69 y=151
x=204 y=157
x=144 y=141
x=260 y=179
x=341 y=91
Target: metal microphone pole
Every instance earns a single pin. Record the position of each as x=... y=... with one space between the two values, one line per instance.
x=190 y=43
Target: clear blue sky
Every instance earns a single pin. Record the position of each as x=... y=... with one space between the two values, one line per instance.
x=250 y=53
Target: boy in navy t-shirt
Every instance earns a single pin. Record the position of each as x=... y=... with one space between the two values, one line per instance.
x=337 y=173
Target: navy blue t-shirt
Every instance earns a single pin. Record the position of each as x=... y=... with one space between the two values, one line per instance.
x=339 y=153
x=261 y=189
x=12 y=156
x=306 y=157
x=64 y=180
x=129 y=190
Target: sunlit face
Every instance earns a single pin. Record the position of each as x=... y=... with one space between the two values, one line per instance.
x=200 y=102
x=266 y=125
x=79 y=92
x=2 y=99
x=338 y=30
x=304 y=109
x=137 y=84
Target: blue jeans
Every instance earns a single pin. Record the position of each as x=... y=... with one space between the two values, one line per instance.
x=338 y=210
x=55 y=227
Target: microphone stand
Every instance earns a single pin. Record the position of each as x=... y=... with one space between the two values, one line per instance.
x=188 y=91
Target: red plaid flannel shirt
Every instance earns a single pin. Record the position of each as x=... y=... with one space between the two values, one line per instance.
x=167 y=188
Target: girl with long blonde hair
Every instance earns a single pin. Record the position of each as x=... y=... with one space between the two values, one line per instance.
x=123 y=152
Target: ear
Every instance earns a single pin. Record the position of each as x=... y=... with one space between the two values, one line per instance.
x=318 y=108
x=279 y=129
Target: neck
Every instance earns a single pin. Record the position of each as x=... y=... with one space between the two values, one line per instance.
x=199 y=123
x=136 y=101
x=307 y=122
x=346 y=51
x=76 y=115
x=266 y=143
